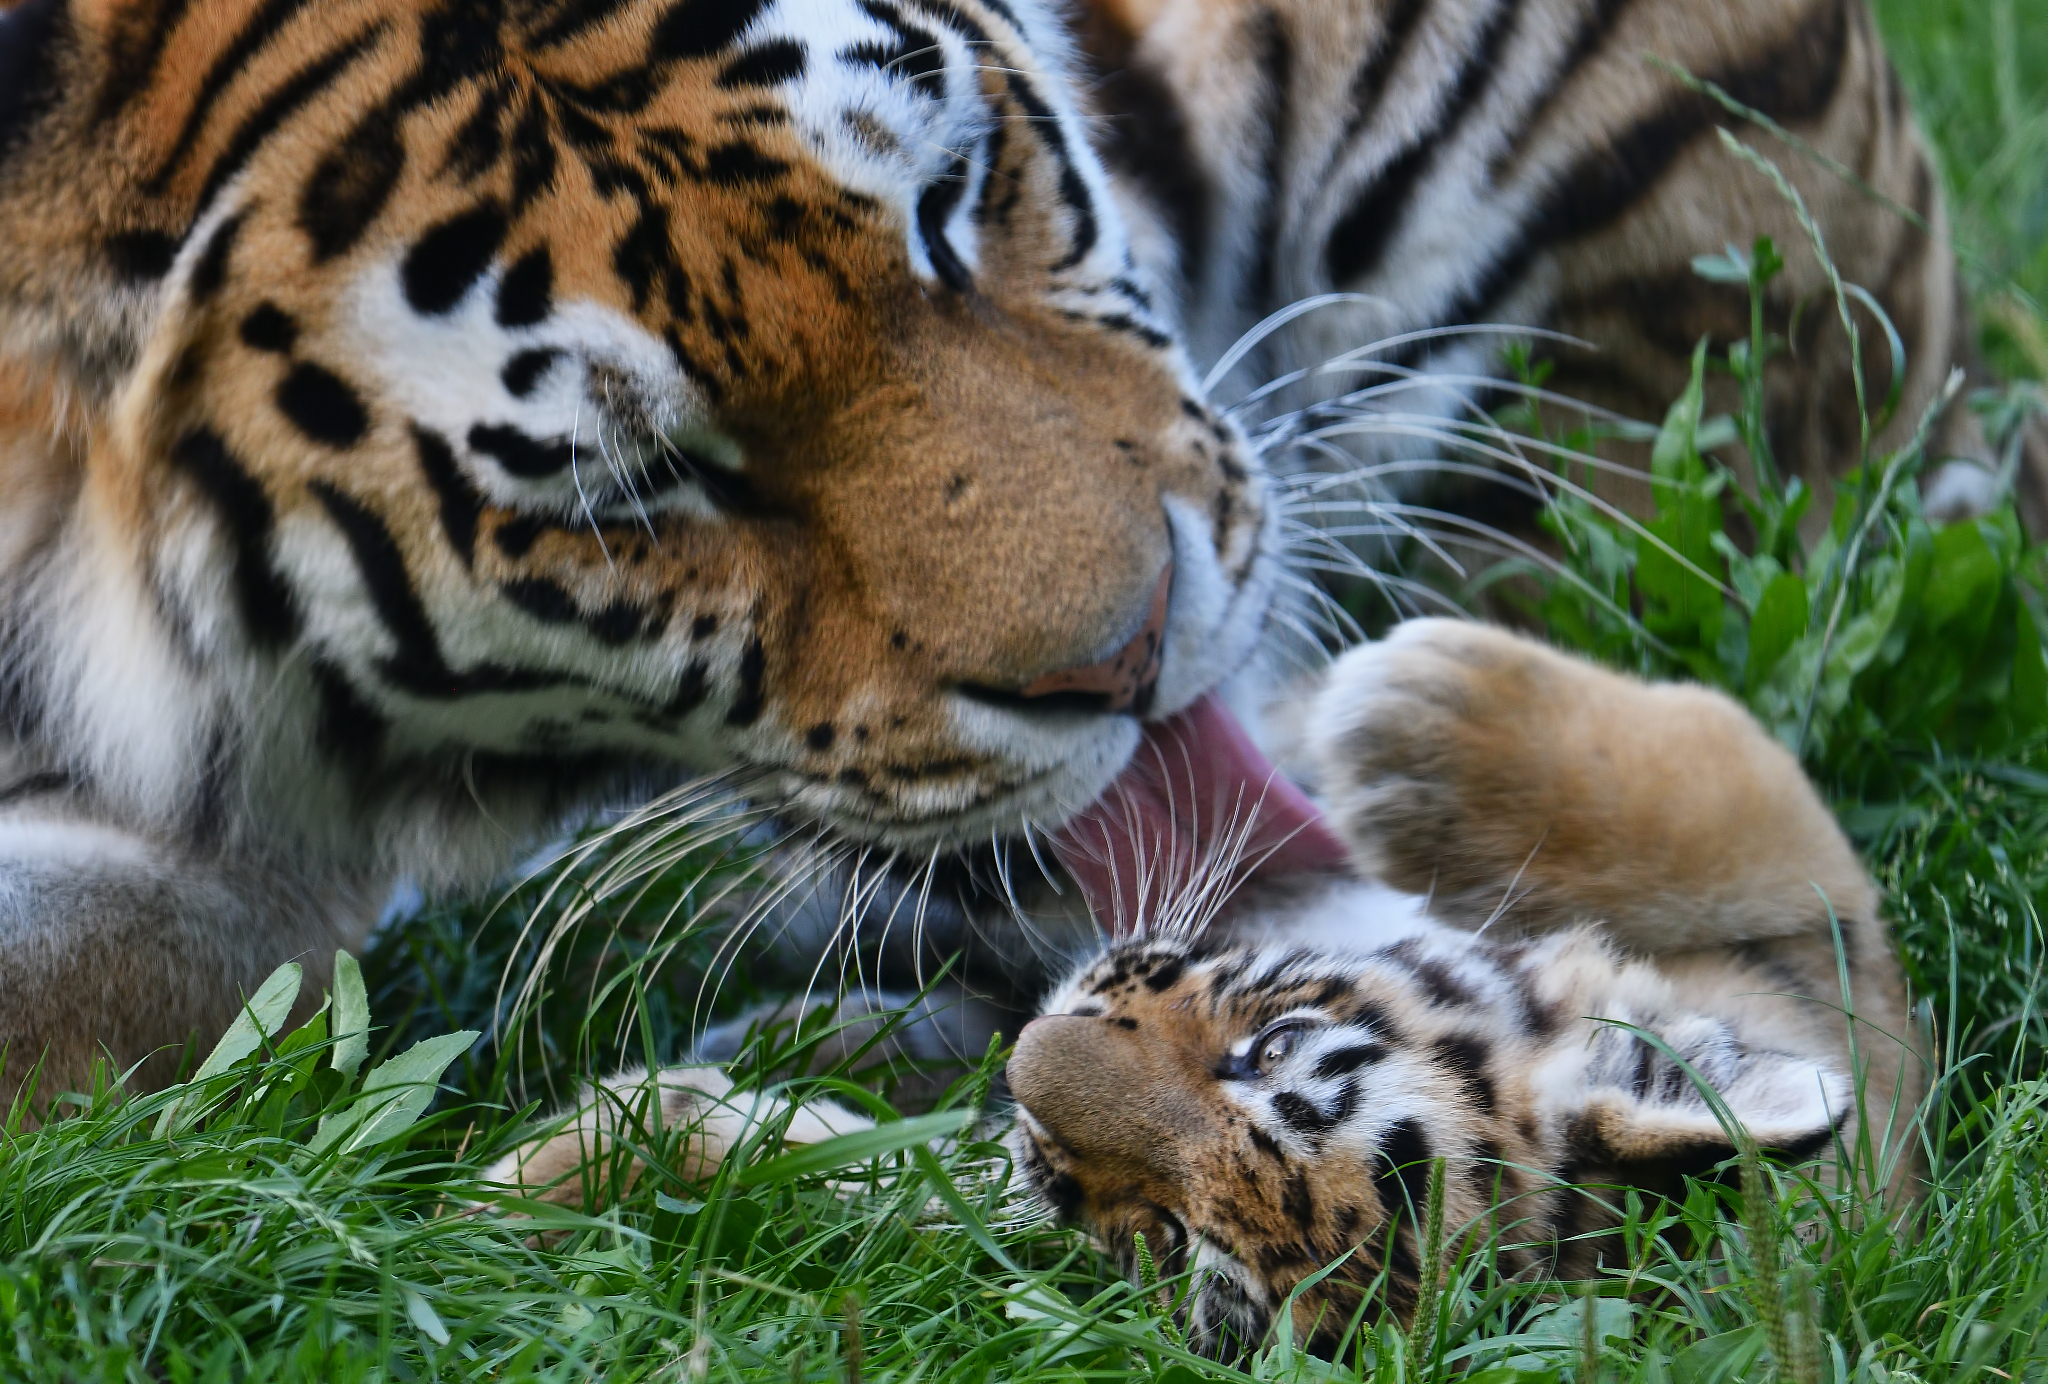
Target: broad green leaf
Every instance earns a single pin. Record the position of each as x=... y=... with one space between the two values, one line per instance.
x=422 y=1315
x=857 y=1147
x=1779 y=622
x=351 y=1016
x=1962 y=588
x=2029 y=698
x=394 y=1094
x=1678 y=439
x=261 y=1018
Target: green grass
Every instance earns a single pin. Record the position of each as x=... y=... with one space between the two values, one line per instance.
x=1975 y=70
x=208 y=1233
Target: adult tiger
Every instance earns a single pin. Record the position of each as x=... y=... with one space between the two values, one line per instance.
x=420 y=421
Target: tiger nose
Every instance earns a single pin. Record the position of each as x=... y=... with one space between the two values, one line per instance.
x=1126 y=680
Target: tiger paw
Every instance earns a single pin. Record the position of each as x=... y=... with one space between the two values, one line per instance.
x=1506 y=780
x=1429 y=748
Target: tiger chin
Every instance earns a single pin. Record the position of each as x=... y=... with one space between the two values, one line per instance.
x=1543 y=910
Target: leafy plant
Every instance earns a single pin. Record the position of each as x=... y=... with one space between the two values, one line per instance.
x=1890 y=633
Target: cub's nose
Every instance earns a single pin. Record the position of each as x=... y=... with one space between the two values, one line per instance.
x=1123 y=682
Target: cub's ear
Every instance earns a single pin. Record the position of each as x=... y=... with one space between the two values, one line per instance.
x=26 y=33
x=1657 y=1123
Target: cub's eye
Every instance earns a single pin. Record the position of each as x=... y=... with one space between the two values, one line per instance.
x=1271 y=1048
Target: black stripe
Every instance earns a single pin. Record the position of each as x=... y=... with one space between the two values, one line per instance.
x=417 y=663
x=350 y=185
x=207 y=817
x=1793 y=82
x=520 y=453
x=445 y=263
x=461 y=506
x=323 y=406
x=524 y=372
x=25 y=66
x=34 y=786
x=1588 y=38
x=1361 y=235
x=259 y=124
x=752 y=698
x=141 y=256
x=1073 y=188
x=1466 y=1057
x=1369 y=86
x=1276 y=63
x=349 y=728
x=1125 y=324
x=533 y=155
x=917 y=55
x=1401 y=1181
x=133 y=52
x=1345 y=1061
x=571 y=19
x=269 y=611
x=253 y=38
x=545 y=600
x=934 y=209
x=269 y=328
x=703 y=28
x=478 y=145
x=765 y=64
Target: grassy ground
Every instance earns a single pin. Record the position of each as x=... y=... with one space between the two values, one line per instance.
x=285 y=1218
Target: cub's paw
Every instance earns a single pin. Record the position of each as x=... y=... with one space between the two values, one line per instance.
x=1423 y=746
x=1505 y=779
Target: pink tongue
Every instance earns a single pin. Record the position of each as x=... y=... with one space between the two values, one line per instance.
x=1197 y=792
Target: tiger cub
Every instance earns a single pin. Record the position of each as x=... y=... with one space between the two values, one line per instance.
x=1621 y=894
x=1569 y=904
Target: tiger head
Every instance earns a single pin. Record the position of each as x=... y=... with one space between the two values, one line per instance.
x=483 y=392
x=1263 y=1115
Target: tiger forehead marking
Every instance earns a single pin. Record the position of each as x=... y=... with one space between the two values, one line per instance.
x=590 y=382
x=1258 y=1113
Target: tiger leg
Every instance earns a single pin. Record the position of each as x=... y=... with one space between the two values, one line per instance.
x=1477 y=766
x=112 y=948
x=690 y=1114
x=925 y=1042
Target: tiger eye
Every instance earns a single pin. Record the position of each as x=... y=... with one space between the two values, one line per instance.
x=1272 y=1047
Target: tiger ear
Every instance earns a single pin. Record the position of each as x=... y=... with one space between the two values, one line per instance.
x=1677 y=1121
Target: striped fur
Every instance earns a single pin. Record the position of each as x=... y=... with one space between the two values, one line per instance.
x=424 y=420
x=1601 y=874
x=1257 y=1113
x=1524 y=161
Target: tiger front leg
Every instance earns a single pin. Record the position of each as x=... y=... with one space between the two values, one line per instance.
x=117 y=948
x=1506 y=780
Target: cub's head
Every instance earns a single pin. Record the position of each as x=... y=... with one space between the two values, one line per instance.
x=1258 y=1114
x=510 y=389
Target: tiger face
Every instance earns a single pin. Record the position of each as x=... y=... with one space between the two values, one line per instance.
x=1260 y=1114
x=536 y=387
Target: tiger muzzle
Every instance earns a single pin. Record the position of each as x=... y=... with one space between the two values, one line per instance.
x=1106 y=1094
